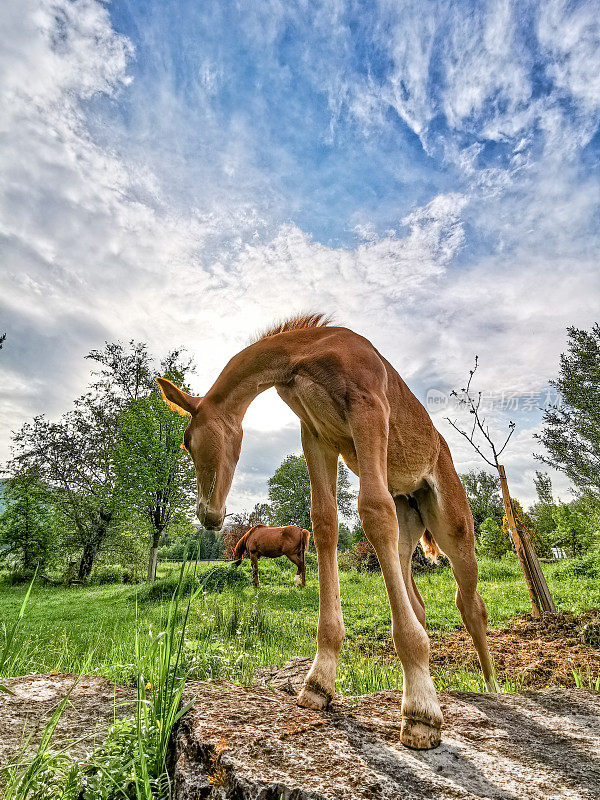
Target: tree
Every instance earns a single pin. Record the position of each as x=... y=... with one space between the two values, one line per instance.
x=573 y=529
x=494 y=541
x=73 y=458
x=2 y=340
x=345 y=537
x=482 y=440
x=524 y=523
x=542 y=512
x=289 y=493
x=76 y=456
x=571 y=434
x=26 y=522
x=154 y=476
x=483 y=493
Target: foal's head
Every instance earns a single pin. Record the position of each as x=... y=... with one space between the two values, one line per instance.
x=214 y=442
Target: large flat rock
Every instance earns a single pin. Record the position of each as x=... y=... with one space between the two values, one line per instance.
x=256 y=743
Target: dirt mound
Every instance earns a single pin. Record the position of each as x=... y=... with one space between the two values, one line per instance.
x=532 y=653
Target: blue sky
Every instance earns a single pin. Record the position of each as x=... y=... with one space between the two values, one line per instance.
x=184 y=172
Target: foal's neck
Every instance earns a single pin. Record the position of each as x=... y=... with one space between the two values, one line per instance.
x=252 y=371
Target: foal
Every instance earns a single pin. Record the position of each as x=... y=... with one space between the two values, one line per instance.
x=261 y=540
x=351 y=402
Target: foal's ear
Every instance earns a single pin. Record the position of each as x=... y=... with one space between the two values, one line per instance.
x=184 y=404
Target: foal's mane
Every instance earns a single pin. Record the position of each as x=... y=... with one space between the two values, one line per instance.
x=299 y=322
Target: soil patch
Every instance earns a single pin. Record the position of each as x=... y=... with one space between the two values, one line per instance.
x=94 y=703
x=532 y=653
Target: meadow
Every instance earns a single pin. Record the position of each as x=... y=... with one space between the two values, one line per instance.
x=234 y=628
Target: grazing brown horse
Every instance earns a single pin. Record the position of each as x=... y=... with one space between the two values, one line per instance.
x=261 y=540
x=351 y=402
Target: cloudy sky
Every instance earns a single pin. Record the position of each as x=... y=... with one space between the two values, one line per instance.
x=185 y=173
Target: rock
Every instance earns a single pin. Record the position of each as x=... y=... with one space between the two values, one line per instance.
x=257 y=744
x=288 y=678
x=94 y=703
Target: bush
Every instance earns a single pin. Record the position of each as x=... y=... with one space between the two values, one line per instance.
x=220 y=578
x=587 y=566
x=496 y=570
x=213 y=580
x=17 y=577
x=108 y=573
x=363 y=557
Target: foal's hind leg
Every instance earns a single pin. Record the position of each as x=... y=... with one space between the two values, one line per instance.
x=446 y=513
x=421 y=714
x=411 y=529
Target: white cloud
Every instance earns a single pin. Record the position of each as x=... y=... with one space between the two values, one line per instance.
x=94 y=247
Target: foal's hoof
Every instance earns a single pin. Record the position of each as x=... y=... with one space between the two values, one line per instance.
x=314 y=696
x=419 y=735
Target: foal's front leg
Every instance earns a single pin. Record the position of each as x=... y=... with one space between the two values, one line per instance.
x=319 y=686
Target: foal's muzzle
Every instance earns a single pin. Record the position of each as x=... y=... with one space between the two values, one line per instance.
x=210 y=519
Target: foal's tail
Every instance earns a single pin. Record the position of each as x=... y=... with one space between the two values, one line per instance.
x=430 y=548
x=240 y=547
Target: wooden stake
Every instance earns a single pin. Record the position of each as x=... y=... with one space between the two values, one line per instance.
x=541 y=599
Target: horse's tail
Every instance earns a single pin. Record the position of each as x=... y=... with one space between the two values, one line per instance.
x=305 y=539
x=240 y=547
x=430 y=548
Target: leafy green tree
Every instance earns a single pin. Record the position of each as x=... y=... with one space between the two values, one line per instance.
x=542 y=512
x=73 y=458
x=493 y=541
x=260 y=515
x=574 y=529
x=154 y=477
x=154 y=474
x=289 y=493
x=571 y=432
x=26 y=524
x=345 y=537
x=76 y=456
x=483 y=493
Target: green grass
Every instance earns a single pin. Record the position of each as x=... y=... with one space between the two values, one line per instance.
x=235 y=629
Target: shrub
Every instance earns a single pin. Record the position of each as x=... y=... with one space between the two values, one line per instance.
x=213 y=580
x=18 y=576
x=363 y=557
x=587 y=566
x=108 y=573
x=231 y=538
x=220 y=578
x=495 y=570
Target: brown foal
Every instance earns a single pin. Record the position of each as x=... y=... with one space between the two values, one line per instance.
x=351 y=402
x=263 y=541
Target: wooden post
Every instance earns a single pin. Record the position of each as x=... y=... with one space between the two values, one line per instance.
x=541 y=599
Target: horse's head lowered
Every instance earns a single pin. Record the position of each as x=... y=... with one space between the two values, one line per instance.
x=214 y=442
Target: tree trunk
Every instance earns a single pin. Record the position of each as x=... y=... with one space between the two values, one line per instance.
x=152 y=561
x=92 y=546
x=87 y=560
